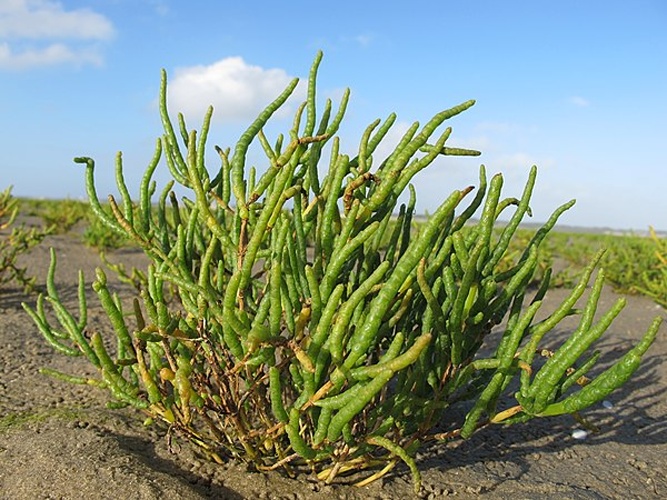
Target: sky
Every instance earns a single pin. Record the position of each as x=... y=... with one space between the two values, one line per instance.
x=577 y=88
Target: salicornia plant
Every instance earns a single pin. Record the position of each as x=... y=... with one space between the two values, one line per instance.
x=14 y=241
x=296 y=315
x=654 y=279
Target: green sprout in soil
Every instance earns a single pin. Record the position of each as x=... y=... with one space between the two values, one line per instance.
x=293 y=317
x=19 y=419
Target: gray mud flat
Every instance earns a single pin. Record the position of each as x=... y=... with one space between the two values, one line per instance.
x=58 y=441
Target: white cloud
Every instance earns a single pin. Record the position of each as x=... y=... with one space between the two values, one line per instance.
x=53 y=54
x=579 y=101
x=362 y=39
x=236 y=89
x=505 y=129
x=517 y=160
x=160 y=6
x=34 y=31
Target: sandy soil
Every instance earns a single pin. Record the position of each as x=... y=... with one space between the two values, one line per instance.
x=59 y=441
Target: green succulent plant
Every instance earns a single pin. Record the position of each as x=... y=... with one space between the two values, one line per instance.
x=294 y=316
x=15 y=240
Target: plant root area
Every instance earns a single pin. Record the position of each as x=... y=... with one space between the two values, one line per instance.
x=59 y=441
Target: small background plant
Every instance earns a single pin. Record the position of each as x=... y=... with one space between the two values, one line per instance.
x=14 y=241
x=633 y=263
x=296 y=317
x=98 y=235
x=654 y=278
x=62 y=216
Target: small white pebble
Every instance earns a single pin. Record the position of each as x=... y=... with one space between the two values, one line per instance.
x=607 y=404
x=579 y=434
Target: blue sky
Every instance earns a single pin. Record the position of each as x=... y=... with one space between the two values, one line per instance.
x=577 y=88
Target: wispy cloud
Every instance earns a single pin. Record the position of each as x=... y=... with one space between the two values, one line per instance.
x=55 y=53
x=579 y=101
x=362 y=39
x=237 y=90
x=506 y=129
x=41 y=32
x=160 y=6
x=520 y=161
